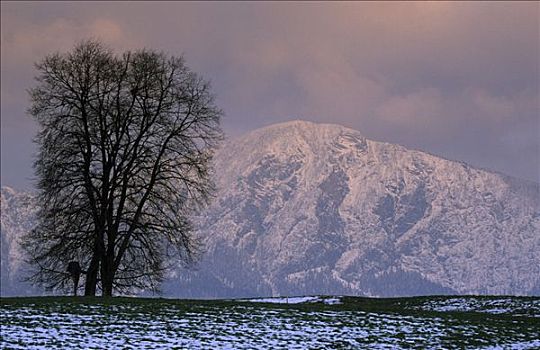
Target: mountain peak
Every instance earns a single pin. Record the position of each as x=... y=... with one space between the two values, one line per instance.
x=300 y=125
x=293 y=136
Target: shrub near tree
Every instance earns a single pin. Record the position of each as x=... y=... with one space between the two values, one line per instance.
x=125 y=147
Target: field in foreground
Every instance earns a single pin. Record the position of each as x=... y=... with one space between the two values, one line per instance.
x=286 y=323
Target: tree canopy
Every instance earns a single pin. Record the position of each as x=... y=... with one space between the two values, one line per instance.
x=125 y=148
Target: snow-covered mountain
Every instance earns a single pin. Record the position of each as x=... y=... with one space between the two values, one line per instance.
x=306 y=208
x=18 y=217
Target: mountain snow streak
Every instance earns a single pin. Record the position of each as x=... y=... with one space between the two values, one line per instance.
x=306 y=208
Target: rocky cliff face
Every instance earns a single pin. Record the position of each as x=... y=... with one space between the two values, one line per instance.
x=306 y=208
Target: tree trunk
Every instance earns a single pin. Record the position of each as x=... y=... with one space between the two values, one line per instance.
x=107 y=281
x=75 y=285
x=107 y=273
x=107 y=288
x=91 y=276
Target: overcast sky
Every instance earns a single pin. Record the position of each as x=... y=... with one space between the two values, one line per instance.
x=459 y=80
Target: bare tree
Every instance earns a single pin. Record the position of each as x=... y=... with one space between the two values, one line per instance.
x=125 y=149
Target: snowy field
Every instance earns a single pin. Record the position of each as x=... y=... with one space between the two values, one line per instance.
x=272 y=323
x=503 y=305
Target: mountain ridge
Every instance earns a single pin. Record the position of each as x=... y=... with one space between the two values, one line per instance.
x=302 y=122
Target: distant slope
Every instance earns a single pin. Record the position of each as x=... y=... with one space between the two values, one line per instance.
x=306 y=208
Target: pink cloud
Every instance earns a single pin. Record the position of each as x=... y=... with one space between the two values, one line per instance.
x=423 y=106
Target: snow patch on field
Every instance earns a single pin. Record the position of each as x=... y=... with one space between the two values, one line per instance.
x=516 y=307
x=295 y=300
x=533 y=344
